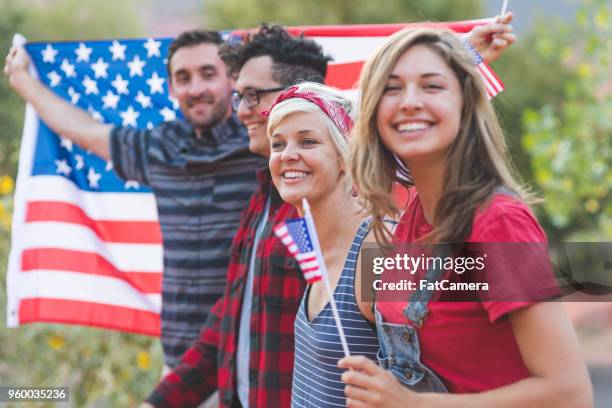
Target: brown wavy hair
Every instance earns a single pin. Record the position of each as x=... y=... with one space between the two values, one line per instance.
x=477 y=161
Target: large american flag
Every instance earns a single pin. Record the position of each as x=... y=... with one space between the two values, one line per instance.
x=86 y=245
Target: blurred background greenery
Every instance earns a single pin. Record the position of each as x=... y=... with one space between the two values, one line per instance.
x=557 y=114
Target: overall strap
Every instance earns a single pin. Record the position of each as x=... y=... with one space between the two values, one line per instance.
x=417 y=310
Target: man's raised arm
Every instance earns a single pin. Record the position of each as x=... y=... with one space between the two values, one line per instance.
x=62 y=117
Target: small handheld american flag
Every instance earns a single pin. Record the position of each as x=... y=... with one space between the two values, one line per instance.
x=300 y=237
x=493 y=84
x=294 y=234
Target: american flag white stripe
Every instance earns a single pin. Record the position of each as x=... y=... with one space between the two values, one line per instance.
x=312 y=276
x=493 y=84
x=126 y=257
x=349 y=49
x=99 y=206
x=88 y=288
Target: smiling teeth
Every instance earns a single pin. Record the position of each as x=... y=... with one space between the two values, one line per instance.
x=252 y=127
x=411 y=127
x=294 y=174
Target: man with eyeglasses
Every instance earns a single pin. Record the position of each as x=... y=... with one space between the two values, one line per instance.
x=246 y=348
x=200 y=170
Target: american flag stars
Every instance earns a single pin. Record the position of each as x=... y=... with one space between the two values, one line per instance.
x=79 y=162
x=110 y=100
x=91 y=86
x=49 y=54
x=168 y=114
x=136 y=66
x=152 y=47
x=156 y=83
x=74 y=96
x=93 y=178
x=66 y=143
x=143 y=100
x=120 y=84
x=100 y=68
x=117 y=50
x=63 y=167
x=83 y=53
x=68 y=69
x=118 y=81
x=129 y=117
x=54 y=79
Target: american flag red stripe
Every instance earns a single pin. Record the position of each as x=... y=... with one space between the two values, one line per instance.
x=143 y=232
x=492 y=82
x=381 y=30
x=84 y=313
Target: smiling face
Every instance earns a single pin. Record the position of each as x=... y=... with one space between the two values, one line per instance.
x=199 y=82
x=256 y=74
x=419 y=114
x=304 y=161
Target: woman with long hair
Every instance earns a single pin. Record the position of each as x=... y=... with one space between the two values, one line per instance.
x=308 y=128
x=425 y=121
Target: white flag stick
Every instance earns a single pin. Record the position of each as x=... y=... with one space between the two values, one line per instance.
x=315 y=243
x=504 y=8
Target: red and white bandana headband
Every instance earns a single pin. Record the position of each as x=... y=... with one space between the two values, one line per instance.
x=332 y=109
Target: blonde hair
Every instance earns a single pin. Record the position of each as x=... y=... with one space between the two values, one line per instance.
x=478 y=162
x=299 y=105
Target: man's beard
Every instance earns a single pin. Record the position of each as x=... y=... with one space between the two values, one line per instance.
x=215 y=117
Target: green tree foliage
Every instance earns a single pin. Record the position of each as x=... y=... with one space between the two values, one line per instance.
x=11 y=114
x=531 y=81
x=101 y=367
x=224 y=14
x=570 y=139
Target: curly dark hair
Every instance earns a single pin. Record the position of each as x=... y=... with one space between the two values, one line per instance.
x=295 y=58
x=191 y=39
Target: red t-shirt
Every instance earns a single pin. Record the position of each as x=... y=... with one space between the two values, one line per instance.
x=470 y=345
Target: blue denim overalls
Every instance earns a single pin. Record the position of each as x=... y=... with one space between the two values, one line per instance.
x=400 y=351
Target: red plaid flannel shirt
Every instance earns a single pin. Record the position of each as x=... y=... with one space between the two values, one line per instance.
x=278 y=287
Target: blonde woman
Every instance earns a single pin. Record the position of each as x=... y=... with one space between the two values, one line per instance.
x=424 y=113
x=308 y=129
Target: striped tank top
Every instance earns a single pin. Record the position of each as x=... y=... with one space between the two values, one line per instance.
x=316 y=376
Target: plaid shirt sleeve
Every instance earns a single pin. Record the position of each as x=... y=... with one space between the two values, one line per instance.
x=277 y=289
x=198 y=374
x=195 y=378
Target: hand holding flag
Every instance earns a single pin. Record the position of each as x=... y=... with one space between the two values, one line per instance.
x=504 y=8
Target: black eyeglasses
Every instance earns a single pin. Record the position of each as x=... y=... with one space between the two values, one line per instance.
x=251 y=97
